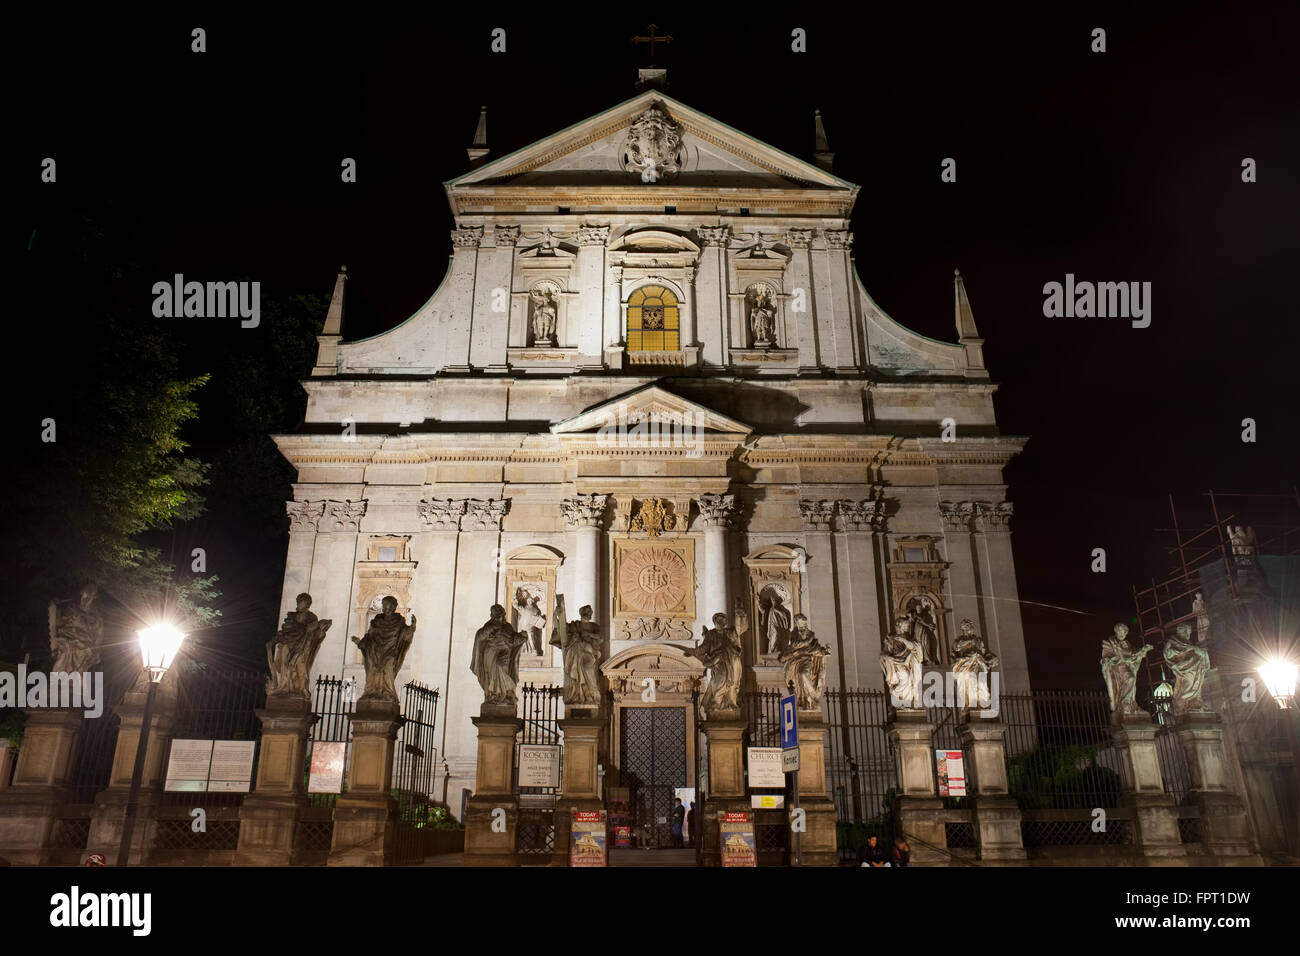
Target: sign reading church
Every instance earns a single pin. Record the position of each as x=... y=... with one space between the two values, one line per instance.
x=652 y=383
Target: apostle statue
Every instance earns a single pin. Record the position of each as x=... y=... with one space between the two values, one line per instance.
x=901 y=662
x=530 y=619
x=543 y=317
x=383 y=648
x=720 y=651
x=290 y=653
x=925 y=627
x=971 y=665
x=1242 y=540
x=1189 y=663
x=1119 y=667
x=805 y=664
x=76 y=632
x=582 y=645
x=762 y=318
x=776 y=623
x=495 y=660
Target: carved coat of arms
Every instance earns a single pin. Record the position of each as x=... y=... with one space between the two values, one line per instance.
x=653 y=146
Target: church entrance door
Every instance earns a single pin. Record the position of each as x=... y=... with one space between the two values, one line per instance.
x=653 y=762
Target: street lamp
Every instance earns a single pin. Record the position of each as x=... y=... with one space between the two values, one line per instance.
x=158 y=648
x=1279 y=677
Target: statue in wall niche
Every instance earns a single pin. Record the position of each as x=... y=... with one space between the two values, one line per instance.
x=293 y=649
x=383 y=649
x=529 y=618
x=925 y=627
x=721 y=652
x=773 y=602
x=543 y=316
x=76 y=632
x=901 y=661
x=762 y=319
x=583 y=647
x=1189 y=663
x=495 y=659
x=971 y=663
x=805 y=664
x=1119 y=668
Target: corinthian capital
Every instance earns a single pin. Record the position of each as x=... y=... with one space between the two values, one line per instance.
x=504 y=235
x=344 y=515
x=839 y=238
x=484 y=514
x=798 y=238
x=467 y=237
x=817 y=515
x=717 y=511
x=584 y=511
x=956 y=515
x=991 y=517
x=304 y=515
x=593 y=235
x=442 y=514
x=714 y=235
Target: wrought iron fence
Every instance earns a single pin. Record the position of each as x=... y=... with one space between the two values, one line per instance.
x=418 y=816
x=535 y=832
x=333 y=704
x=860 y=769
x=1060 y=752
x=1173 y=764
x=762 y=711
x=214 y=704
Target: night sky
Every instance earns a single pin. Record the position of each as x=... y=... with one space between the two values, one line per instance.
x=1120 y=166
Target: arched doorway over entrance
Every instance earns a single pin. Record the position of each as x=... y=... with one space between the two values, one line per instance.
x=653 y=740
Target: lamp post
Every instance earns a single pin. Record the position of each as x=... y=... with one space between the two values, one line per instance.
x=1279 y=676
x=158 y=648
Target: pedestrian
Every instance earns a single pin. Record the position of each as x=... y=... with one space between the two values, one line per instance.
x=679 y=818
x=902 y=852
x=872 y=853
x=690 y=825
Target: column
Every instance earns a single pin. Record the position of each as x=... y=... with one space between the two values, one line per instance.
x=857 y=522
x=713 y=315
x=585 y=320
x=801 y=328
x=818 y=519
x=996 y=814
x=333 y=575
x=686 y=323
x=304 y=521
x=491 y=328
x=613 y=320
x=584 y=515
x=957 y=517
x=840 y=270
x=455 y=326
x=1155 y=819
x=717 y=513
x=1002 y=599
x=437 y=552
x=1225 y=828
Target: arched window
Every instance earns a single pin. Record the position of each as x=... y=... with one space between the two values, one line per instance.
x=653 y=320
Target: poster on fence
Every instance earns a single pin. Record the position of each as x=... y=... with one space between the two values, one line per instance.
x=232 y=766
x=327 y=759
x=737 y=839
x=188 y=765
x=951 y=768
x=587 y=839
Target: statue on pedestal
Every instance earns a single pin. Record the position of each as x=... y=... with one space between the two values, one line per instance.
x=76 y=632
x=762 y=318
x=1119 y=668
x=901 y=662
x=543 y=317
x=290 y=653
x=805 y=664
x=383 y=649
x=1189 y=663
x=721 y=652
x=495 y=660
x=582 y=646
x=971 y=663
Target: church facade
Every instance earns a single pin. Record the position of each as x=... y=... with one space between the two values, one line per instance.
x=651 y=383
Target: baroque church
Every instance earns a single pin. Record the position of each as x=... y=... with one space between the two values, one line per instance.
x=652 y=383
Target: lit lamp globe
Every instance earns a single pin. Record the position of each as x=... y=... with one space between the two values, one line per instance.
x=1279 y=677
x=159 y=646
x=1162 y=696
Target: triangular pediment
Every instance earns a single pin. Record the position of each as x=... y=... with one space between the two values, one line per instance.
x=594 y=152
x=652 y=407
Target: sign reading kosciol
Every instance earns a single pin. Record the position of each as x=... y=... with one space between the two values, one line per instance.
x=539 y=765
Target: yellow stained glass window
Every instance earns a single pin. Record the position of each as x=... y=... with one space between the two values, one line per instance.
x=653 y=320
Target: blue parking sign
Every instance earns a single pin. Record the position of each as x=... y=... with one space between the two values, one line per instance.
x=789 y=723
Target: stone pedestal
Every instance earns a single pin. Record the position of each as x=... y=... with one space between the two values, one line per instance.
x=110 y=805
x=489 y=834
x=818 y=845
x=29 y=808
x=995 y=813
x=725 y=733
x=365 y=818
x=580 y=781
x=918 y=810
x=1155 y=820
x=1225 y=828
x=6 y=762
x=268 y=818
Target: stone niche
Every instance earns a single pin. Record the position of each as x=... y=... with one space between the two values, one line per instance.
x=387 y=569
x=529 y=600
x=654 y=588
x=542 y=281
x=776 y=584
x=916 y=575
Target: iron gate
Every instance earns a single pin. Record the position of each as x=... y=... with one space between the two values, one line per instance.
x=413 y=771
x=535 y=835
x=654 y=766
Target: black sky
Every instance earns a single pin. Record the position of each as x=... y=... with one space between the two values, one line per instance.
x=1117 y=166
